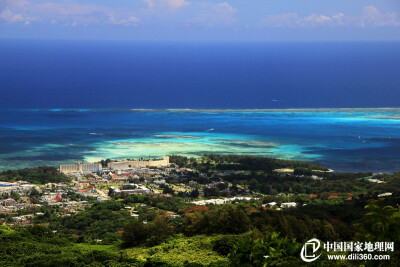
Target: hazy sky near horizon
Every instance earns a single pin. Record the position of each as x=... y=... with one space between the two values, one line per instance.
x=201 y=20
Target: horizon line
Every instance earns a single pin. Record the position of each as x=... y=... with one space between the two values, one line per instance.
x=203 y=41
x=204 y=109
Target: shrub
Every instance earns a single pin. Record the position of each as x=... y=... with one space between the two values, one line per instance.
x=224 y=244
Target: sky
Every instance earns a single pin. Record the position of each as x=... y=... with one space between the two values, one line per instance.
x=202 y=20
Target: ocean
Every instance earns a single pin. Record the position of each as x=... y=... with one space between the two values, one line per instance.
x=340 y=139
x=111 y=74
x=64 y=101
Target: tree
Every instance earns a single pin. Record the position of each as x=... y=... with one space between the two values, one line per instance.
x=194 y=193
x=381 y=223
x=234 y=221
x=209 y=192
x=168 y=190
x=38 y=175
x=270 y=250
x=222 y=186
x=178 y=160
x=104 y=163
x=135 y=233
x=14 y=195
x=159 y=230
x=329 y=232
x=253 y=184
x=34 y=192
x=382 y=220
x=224 y=244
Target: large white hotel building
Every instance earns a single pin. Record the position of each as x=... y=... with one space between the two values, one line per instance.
x=80 y=167
x=114 y=165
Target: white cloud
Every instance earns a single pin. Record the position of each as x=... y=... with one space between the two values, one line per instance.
x=18 y=3
x=206 y=14
x=150 y=3
x=293 y=20
x=371 y=17
x=11 y=17
x=126 y=21
x=174 y=4
x=338 y=18
x=66 y=13
x=315 y=19
x=371 y=12
x=282 y=20
x=177 y=3
x=225 y=8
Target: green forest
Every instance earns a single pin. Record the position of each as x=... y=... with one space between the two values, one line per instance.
x=234 y=235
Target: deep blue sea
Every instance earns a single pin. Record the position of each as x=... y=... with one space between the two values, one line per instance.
x=100 y=74
x=64 y=101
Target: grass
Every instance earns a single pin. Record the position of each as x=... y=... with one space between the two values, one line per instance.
x=177 y=250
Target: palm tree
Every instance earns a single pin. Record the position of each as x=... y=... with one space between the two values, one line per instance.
x=381 y=218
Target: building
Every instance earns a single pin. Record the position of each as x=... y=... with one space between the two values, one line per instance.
x=388 y=194
x=8 y=202
x=80 y=167
x=270 y=204
x=129 y=164
x=289 y=205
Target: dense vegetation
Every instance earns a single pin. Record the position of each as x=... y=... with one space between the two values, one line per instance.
x=260 y=177
x=100 y=221
x=38 y=175
x=244 y=162
x=203 y=236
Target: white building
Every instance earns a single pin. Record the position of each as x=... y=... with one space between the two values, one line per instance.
x=388 y=194
x=270 y=204
x=289 y=205
x=129 y=164
x=80 y=167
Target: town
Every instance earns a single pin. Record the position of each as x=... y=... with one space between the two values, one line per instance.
x=21 y=202
x=142 y=208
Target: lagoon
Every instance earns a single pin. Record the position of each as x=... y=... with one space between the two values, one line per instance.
x=340 y=139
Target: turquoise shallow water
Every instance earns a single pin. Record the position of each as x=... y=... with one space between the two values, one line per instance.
x=341 y=139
